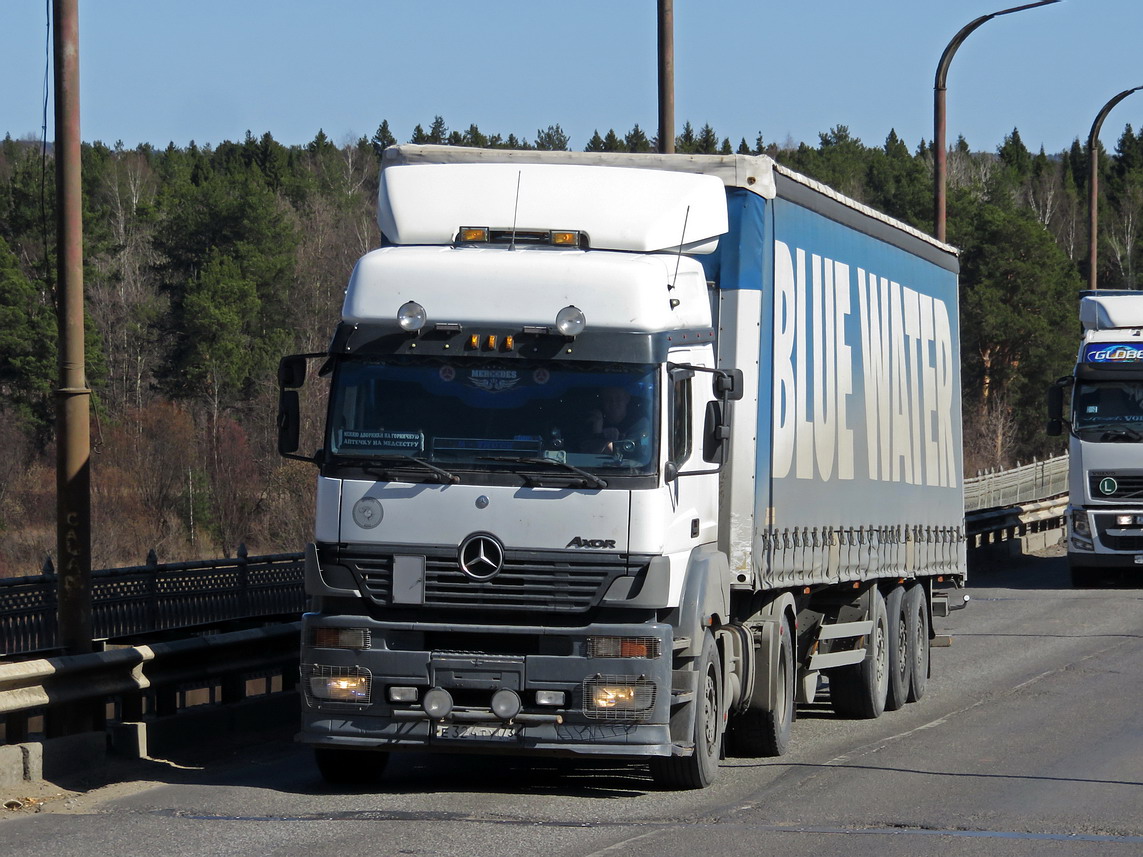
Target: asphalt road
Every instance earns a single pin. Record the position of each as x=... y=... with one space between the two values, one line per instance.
x=1028 y=742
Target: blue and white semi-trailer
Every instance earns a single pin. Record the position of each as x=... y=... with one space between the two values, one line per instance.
x=623 y=454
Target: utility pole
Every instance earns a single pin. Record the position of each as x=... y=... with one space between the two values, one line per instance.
x=73 y=430
x=666 y=77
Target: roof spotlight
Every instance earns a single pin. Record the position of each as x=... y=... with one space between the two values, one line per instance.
x=411 y=316
x=570 y=321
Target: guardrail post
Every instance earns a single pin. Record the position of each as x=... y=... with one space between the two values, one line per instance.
x=243 y=578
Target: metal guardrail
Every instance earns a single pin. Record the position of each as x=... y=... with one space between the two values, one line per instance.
x=155 y=597
x=1022 y=484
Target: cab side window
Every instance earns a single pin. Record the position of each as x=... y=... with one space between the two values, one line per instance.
x=681 y=439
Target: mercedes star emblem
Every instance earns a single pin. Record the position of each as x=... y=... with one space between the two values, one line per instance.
x=481 y=556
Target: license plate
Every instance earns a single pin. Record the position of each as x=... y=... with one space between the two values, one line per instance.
x=478 y=731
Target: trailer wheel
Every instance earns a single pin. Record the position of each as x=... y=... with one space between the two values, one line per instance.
x=698 y=770
x=341 y=767
x=758 y=732
x=917 y=615
x=900 y=647
x=860 y=690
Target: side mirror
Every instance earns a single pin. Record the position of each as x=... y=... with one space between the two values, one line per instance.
x=728 y=384
x=1055 y=403
x=292 y=371
x=289 y=421
x=716 y=433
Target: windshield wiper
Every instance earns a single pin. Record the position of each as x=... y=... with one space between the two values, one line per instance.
x=376 y=464
x=591 y=479
x=1114 y=431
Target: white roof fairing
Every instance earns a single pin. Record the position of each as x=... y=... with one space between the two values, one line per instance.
x=498 y=286
x=619 y=208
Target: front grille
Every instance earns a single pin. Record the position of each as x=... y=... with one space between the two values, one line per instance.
x=1118 y=538
x=552 y=581
x=1123 y=485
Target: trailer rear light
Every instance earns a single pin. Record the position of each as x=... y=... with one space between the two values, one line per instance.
x=623 y=647
x=618 y=697
x=341 y=638
x=340 y=684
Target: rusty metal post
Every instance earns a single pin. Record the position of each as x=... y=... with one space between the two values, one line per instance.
x=73 y=433
x=1093 y=189
x=940 y=146
x=666 y=77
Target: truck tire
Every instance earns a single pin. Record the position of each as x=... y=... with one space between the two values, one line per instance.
x=860 y=690
x=917 y=615
x=341 y=767
x=698 y=770
x=758 y=732
x=900 y=645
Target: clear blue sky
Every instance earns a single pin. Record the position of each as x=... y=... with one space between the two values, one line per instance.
x=161 y=71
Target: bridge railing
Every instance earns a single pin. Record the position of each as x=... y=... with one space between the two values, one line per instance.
x=155 y=597
x=1026 y=483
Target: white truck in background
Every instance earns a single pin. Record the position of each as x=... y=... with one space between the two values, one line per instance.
x=1105 y=438
x=505 y=563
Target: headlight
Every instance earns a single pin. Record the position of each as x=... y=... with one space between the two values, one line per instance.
x=339 y=684
x=1079 y=524
x=618 y=697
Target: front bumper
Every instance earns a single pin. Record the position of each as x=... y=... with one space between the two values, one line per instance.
x=471 y=664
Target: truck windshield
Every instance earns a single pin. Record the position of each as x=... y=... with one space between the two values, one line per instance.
x=528 y=417
x=1109 y=410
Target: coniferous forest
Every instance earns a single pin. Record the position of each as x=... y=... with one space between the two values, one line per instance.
x=205 y=264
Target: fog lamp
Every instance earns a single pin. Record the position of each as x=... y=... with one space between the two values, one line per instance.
x=437 y=703
x=506 y=704
x=403 y=694
x=411 y=316
x=550 y=697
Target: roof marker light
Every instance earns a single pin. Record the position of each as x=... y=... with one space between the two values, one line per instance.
x=411 y=316
x=570 y=321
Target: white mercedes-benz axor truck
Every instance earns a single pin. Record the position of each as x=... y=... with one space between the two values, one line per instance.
x=623 y=456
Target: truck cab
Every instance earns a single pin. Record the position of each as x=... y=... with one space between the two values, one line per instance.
x=1105 y=444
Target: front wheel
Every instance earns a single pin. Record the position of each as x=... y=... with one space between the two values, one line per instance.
x=758 y=732
x=698 y=770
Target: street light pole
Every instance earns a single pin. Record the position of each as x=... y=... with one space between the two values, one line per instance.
x=940 y=147
x=666 y=76
x=1093 y=189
